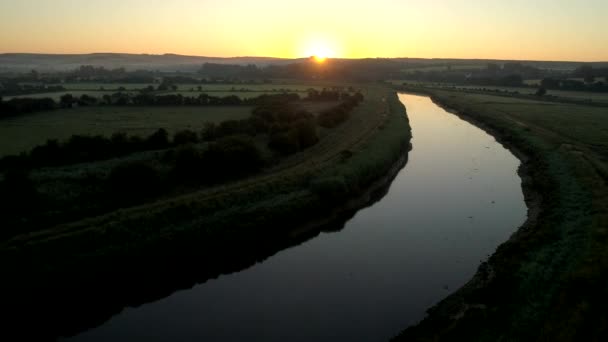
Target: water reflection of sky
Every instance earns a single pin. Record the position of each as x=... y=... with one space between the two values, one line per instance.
x=458 y=198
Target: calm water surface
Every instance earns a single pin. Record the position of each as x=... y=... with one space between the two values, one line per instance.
x=457 y=199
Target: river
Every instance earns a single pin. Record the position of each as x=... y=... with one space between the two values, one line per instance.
x=456 y=200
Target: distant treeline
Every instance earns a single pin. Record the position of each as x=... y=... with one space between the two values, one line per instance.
x=371 y=69
x=573 y=85
x=17 y=106
x=514 y=74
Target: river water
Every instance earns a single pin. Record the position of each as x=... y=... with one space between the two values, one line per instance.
x=455 y=201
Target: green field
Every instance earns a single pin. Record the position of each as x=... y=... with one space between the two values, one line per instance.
x=219 y=87
x=58 y=94
x=548 y=282
x=537 y=82
x=443 y=68
x=559 y=94
x=22 y=133
x=105 y=86
x=219 y=90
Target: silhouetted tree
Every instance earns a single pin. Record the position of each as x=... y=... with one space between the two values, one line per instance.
x=134 y=181
x=66 y=100
x=541 y=91
x=208 y=131
x=158 y=139
x=307 y=133
x=231 y=157
x=285 y=142
x=185 y=137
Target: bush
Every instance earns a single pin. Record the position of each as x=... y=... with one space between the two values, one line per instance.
x=230 y=157
x=307 y=133
x=333 y=117
x=189 y=165
x=158 y=140
x=208 y=132
x=84 y=148
x=284 y=143
x=330 y=188
x=134 y=181
x=185 y=137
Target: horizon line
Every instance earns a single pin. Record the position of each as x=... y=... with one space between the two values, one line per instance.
x=296 y=58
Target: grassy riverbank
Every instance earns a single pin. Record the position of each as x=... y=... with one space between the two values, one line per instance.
x=94 y=267
x=548 y=282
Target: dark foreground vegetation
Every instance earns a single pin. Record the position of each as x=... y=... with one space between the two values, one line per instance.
x=133 y=228
x=219 y=153
x=548 y=282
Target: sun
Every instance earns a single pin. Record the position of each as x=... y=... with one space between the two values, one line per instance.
x=319 y=58
x=320 y=50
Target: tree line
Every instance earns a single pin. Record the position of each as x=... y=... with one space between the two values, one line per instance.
x=17 y=106
x=572 y=85
x=289 y=128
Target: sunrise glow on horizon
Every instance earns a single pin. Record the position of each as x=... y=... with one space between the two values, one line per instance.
x=519 y=29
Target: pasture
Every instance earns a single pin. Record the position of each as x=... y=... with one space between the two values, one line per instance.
x=243 y=91
x=563 y=94
x=443 y=67
x=58 y=94
x=24 y=132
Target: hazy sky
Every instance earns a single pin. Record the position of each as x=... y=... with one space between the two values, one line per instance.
x=502 y=29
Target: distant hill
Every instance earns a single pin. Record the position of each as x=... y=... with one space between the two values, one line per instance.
x=24 y=62
x=547 y=65
x=20 y=62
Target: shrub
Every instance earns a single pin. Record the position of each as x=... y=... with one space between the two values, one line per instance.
x=189 y=165
x=333 y=117
x=330 y=188
x=158 y=140
x=307 y=133
x=232 y=156
x=134 y=181
x=284 y=143
x=185 y=137
x=209 y=131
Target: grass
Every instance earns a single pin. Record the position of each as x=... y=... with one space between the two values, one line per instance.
x=559 y=94
x=207 y=88
x=106 y=86
x=58 y=94
x=548 y=281
x=220 y=90
x=22 y=133
x=444 y=67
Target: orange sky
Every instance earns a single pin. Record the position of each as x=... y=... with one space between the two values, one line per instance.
x=515 y=29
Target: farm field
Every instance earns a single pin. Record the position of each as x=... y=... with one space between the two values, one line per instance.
x=105 y=86
x=443 y=68
x=220 y=90
x=58 y=94
x=219 y=87
x=22 y=133
x=572 y=95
